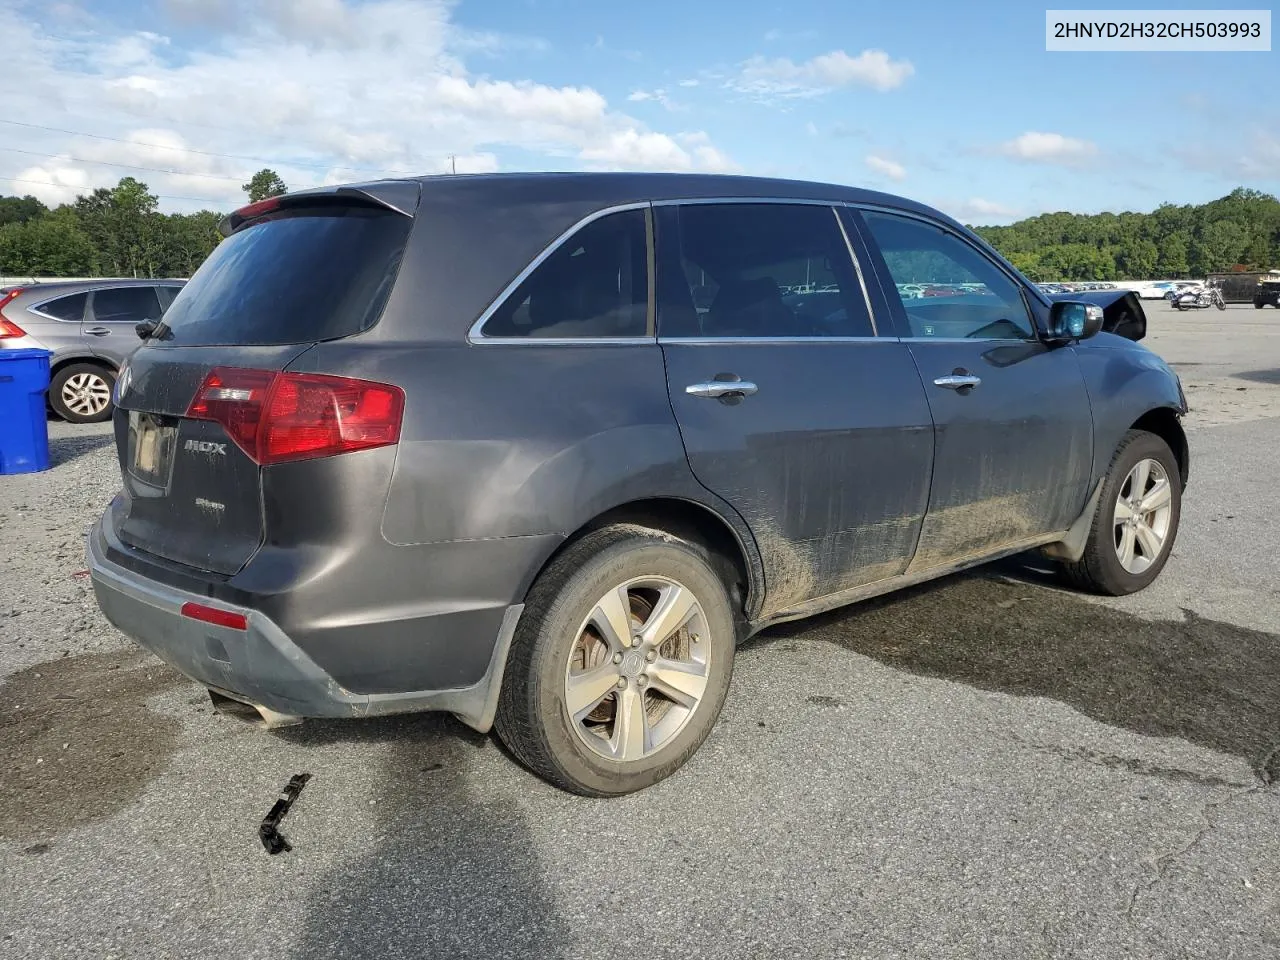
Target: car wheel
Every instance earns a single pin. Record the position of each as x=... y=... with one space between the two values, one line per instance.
x=1137 y=519
x=620 y=662
x=81 y=393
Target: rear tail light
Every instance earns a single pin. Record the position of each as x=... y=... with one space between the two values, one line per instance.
x=278 y=417
x=8 y=328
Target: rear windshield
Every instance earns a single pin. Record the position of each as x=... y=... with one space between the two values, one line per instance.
x=298 y=276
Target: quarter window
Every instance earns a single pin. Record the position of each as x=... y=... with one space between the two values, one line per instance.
x=947 y=288
x=69 y=308
x=593 y=285
x=126 y=305
x=756 y=270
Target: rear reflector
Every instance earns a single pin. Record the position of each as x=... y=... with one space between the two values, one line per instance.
x=219 y=618
x=277 y=417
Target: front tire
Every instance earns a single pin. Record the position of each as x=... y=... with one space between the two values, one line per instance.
x=81 y=393
x=620 y=663
x=1137 y=519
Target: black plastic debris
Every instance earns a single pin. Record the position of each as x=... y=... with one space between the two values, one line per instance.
x=268 y=832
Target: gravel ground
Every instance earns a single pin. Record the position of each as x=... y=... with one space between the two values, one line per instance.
x=988 y=766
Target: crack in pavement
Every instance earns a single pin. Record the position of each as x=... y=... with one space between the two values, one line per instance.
x=1160 y=864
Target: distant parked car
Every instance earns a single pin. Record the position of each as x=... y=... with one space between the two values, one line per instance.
x=468 y=444
x=1268 y=292
x=90 y=325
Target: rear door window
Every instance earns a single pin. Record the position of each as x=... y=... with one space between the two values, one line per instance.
x=757 y=270
x=69 y=308
x=125 y=305
x=594 y=285
x=296 y=276
x=167 y=293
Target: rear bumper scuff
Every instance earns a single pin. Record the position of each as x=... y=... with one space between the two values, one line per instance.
x=262 y=665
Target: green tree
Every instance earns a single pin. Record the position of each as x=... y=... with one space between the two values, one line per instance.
x=1138 y=259
x=20 y=209
x=125 y=228
x=1173 y=261
x=48 y=246
x=189 y=239
x=265 y=183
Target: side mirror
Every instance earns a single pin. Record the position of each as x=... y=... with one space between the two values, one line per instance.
x=146 y=328
x=1072 y=320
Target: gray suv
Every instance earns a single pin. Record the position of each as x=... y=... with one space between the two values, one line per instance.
x=541 y=450
x=90 y=326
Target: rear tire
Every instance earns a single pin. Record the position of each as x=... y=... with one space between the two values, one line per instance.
x=81 y=393
x=1121 y=556
x=586 y=703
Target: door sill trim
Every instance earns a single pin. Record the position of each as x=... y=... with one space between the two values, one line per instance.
x=877 y=588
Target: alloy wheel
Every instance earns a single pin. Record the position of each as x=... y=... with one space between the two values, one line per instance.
x=1143 y=514
x=638 y=668
x=86 y=394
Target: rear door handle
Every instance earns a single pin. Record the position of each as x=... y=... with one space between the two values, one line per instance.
x=97 y=331
x=721 y=388
x=958 y=381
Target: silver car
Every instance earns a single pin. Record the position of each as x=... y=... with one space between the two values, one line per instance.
x=90 y=326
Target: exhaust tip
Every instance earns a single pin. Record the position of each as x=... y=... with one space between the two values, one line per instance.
x=259 y=716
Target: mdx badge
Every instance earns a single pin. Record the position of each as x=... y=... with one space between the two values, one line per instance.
x=205 y=446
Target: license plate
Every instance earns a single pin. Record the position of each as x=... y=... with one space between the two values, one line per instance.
x=151 y=443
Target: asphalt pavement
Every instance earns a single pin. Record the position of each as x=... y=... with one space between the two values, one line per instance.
x=988 y=766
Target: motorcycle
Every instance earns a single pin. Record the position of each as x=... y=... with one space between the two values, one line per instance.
x=1209 y=296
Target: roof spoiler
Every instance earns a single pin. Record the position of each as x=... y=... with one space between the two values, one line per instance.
x=399 y=196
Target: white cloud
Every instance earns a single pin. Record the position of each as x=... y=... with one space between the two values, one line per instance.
x=630 y=149
x=1254 y=158
x=1054 y=148
x=894 y=171
x=689 y=83
x=312 y=88
x=976 y=209
x=658 y=96
x=767 y=79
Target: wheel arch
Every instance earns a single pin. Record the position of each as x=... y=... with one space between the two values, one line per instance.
x=66 y=360
x=1166 y=424
x=727 y=540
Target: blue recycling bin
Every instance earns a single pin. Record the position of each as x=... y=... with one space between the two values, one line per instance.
x=24 y=431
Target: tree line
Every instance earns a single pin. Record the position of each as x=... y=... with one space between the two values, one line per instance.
x=1238 y=231
x=112 y=232
x=119 y=232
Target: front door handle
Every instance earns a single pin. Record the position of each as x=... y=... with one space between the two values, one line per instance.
x=721 y=388
x=958 y=381
x=97 y=331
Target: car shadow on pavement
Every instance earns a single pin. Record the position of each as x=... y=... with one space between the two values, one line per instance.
x=1006 y=629
x=65 y=449
x=453 y=873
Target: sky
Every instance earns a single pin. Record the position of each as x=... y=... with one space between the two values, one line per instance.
x=956 y=105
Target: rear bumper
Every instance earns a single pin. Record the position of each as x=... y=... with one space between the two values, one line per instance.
x=262 y=665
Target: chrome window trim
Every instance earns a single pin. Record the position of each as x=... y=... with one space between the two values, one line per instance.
x=708 y=341
x=568 y=341
x=35 y=308
x=857 y=268
x=967 y=340
x=692 y=201
x=475 y=333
